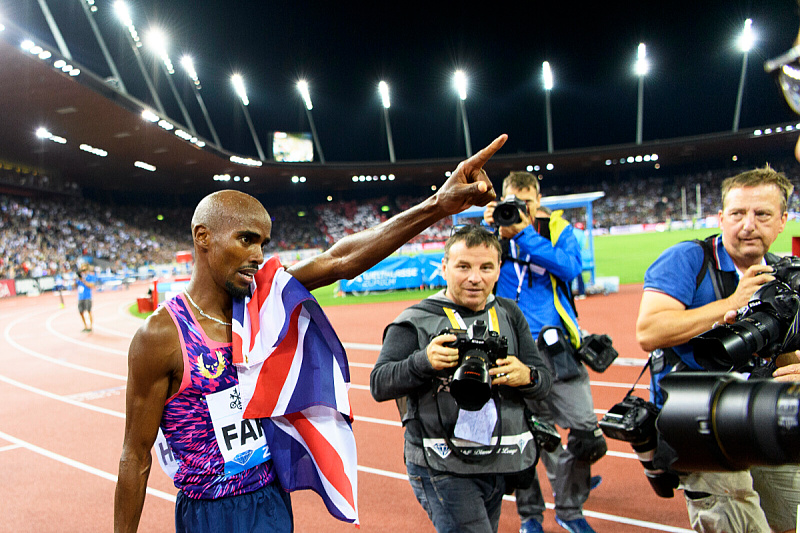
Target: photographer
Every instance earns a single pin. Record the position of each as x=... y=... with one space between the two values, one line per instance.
x=543 y=257
x=416 y=367
x=687 y=290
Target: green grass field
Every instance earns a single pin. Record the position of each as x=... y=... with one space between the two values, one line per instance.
x=628 y=256
x=623 y=256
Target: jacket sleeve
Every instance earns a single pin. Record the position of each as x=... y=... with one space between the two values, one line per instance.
x=402 y=365
x=529 y=354
x=562 y=260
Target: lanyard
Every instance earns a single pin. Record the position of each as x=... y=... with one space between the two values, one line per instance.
x=458 y=323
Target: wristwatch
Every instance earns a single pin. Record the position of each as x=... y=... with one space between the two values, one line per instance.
x=534 y=375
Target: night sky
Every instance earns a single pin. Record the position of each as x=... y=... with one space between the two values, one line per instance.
x=343 y=49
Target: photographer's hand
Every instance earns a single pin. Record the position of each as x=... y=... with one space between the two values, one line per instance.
x=510 y=371
x=441 y=356
x=753 y=278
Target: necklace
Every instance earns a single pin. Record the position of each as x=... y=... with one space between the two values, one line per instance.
x=217 y=320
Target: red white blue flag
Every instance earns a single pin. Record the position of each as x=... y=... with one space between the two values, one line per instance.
x=294 y=376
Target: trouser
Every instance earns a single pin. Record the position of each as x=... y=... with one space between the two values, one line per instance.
x=569 y=405
x=723 y=502
x=266 y=509
x=458 y=504
x=779 y=490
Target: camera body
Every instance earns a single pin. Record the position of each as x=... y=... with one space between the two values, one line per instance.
x=478 y=350
x=767 y=326
x=631 y=420
x=507 y=212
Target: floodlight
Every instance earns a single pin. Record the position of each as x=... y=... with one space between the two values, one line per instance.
x=460 y=80
x=238 y=86
x=124 y=15
x=547 y=76
x=383 y=89
x=157 y=40
x=748 y=38
x=302 y=86
x=188 y=66
x=42 y=133
x=642 y=66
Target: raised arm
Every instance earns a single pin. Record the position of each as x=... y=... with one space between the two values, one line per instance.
x=352 y=255
x=151 y=362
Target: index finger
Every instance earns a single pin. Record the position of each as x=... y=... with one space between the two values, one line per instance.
x=480 y=159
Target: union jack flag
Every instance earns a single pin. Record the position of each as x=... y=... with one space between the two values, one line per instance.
x=294 y=376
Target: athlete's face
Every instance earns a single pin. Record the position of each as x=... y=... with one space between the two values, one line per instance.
x=237 y=250
x=470 y=274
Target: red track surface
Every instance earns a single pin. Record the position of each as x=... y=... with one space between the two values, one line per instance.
x=62 y=418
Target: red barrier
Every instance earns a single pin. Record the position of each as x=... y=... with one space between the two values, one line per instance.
x=7 y=289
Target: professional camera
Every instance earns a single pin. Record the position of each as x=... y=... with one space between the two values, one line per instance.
x=545 y=435
x=507 y=212
x=634 y=420
x=720 y=421
x=478 y=351
x=768 y=326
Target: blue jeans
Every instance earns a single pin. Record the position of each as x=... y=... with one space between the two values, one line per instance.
x=458 y=504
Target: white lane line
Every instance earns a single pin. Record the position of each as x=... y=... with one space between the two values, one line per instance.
x=59 y=398
x=366 y=469
x=66 y=338
x=78 y=465
x=53 y=360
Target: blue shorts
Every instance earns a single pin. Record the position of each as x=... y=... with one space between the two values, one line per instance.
x=267 y=509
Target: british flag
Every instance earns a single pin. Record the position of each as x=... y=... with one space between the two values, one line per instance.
x=294 y=376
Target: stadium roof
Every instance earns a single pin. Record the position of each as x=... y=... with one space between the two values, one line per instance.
x=84 y=109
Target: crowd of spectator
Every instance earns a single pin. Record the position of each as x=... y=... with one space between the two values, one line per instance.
x=43 y=235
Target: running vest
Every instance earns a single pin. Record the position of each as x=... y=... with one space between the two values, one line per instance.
x=516 y=451
x=217 y=451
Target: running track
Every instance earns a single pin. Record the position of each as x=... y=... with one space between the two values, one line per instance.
x=62 y=419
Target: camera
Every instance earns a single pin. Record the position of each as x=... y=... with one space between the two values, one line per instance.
x=507 y=212
x=634 y=420
x=720 y=421
x=546 y=436
x=767 y=326
x=478 y=351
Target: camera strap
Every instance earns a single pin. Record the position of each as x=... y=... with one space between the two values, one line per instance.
x=458 y=323
x=644 y=368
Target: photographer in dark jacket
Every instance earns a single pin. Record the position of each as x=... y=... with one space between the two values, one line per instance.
x=484 y=448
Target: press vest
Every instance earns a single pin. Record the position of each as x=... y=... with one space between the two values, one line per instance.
x=424 y=410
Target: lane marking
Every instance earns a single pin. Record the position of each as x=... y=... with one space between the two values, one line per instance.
x=80 y=466
x=19 y=443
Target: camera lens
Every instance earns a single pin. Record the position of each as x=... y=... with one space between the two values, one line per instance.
x=732 y=346
x=719 y=421
x=471 y=387
x=506 y=214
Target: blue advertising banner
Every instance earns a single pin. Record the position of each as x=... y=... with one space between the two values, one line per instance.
x=400 y=272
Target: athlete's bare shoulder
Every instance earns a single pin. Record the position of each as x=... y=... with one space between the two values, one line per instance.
x=156 y=345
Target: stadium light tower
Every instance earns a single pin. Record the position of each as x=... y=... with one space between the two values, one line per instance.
x=547 y=80
x=124 y=15
x=642 y=67
x=188 y=65
x=383 y=90
x=460 y=80
x=157 y=41
x=241 y=92
x=89 y=7
x=302 y=86
x=745 y=43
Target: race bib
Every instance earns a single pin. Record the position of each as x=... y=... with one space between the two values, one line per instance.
x=241 y=442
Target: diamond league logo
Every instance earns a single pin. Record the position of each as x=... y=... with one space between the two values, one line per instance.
x=442 y=449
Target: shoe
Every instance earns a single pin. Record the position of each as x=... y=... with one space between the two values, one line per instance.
x=531 y=526
x=579 y=525
x=595 y=481
x=85 y=330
